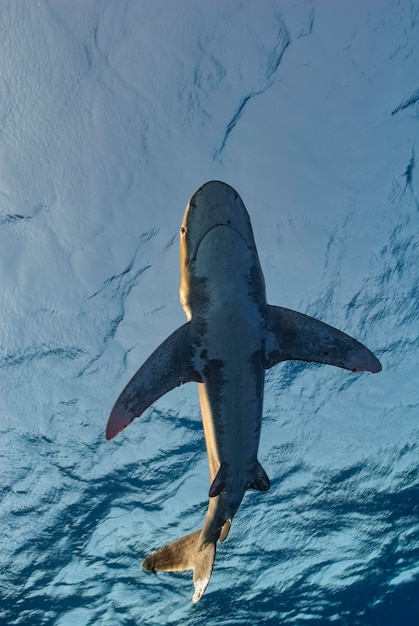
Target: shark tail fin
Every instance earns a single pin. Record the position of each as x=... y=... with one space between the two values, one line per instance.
x=186 y=553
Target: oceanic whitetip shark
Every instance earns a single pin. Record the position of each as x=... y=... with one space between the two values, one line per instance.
x=232 y=336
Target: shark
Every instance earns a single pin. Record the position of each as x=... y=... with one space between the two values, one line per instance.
x=231 y=337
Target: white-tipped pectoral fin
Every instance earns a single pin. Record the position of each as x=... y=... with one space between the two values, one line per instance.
x=295 y=336
x=170 y=365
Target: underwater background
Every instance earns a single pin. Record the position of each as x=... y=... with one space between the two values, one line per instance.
x=112 y=114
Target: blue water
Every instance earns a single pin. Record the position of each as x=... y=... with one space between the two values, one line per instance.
x=112 y=114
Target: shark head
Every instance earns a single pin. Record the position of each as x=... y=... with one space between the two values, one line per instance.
x=215 y=204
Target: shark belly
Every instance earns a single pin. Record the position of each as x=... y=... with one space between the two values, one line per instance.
x=231 y=415
x=231 y=395
x=231 y=404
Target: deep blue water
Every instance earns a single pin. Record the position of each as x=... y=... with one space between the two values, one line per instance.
x=112 y=114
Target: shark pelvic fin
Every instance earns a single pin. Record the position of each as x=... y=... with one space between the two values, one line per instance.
x=260 y=480
x=219 y=484
x=186 y=553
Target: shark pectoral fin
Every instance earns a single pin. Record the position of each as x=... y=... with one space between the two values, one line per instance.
x=185 y=554
x=295 y=336
x=219 y=484
x=260 y=479
x=118 y=420
x=170 y=365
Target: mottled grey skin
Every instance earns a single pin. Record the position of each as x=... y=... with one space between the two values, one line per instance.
x=231 y=337
x=223 y=294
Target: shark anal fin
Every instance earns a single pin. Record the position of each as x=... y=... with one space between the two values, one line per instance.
x=295 y=336
x=225 y=530
x=170 y=365
x=186 y=553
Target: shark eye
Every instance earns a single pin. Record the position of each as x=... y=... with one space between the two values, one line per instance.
x=182 y=230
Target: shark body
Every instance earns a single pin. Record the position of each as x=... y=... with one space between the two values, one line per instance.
x=231 y=337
